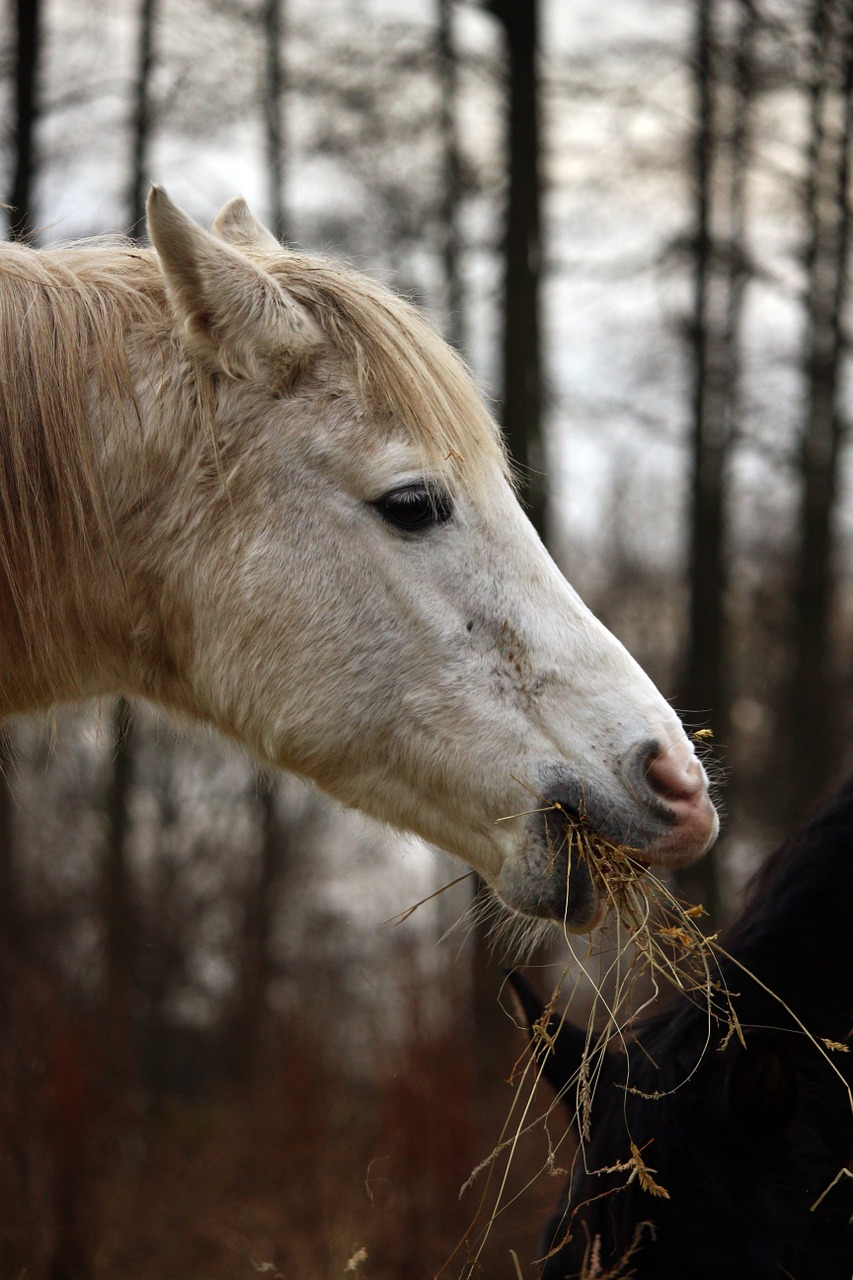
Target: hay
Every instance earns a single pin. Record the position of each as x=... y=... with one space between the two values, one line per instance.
x=654 y=941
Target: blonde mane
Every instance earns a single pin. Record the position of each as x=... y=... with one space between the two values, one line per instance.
x=73 y=321
x=63 y=356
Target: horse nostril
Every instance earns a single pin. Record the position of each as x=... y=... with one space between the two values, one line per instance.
x=672 y=774
x=675 y=789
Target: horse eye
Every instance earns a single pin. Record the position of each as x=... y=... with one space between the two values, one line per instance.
x=414 y=508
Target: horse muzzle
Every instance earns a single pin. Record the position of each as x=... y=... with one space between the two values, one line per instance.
x=659 y=813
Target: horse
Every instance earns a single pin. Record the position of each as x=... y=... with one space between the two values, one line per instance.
x=747 y=1146
x=255 y=488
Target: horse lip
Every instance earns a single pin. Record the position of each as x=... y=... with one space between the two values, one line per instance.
x=584 y=924
x=573 y=897
x=543 y=885
x=550 y=881
x=569 y=893
x=671 y=849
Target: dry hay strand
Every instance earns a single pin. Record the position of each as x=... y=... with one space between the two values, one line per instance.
x=653 y=941
x=663 y=932
x=592 y=1268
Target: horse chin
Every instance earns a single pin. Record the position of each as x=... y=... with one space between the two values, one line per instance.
x=562 y=891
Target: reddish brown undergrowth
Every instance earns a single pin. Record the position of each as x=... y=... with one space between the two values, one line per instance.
x=320 y=1160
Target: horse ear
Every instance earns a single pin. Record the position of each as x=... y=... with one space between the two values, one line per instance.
x=566 y=1043
x=236 y=315
x=236 y=224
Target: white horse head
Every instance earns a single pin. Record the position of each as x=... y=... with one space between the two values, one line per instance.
x=314 y=545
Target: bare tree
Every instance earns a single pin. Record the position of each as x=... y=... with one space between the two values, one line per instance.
x=119 y=914
x=10 y=908
x=521 y=344
x=28 y=17
x=273 y=100
x=813 y=726
x=285 y=833
x=724 y=81
x=141 y=113
x=452 y=177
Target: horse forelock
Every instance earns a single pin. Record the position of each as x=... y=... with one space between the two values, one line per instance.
x=402 y=368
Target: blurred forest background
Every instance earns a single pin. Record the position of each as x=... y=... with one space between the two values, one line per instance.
x=216 y=1058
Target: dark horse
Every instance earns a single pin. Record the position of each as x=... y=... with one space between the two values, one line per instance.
x=750 y=1143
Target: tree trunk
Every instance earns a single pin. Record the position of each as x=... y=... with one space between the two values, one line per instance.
x=283 y=836
x=452 y=179
x=273 y=19
x=141 y=115
x=119 y=920
x=721 y=154
x=813 y=728
x=28 y=15
x=11 y=917
x=521 y=346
